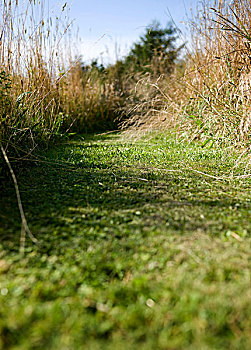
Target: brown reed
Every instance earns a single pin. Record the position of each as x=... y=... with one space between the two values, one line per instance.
x=208 y=97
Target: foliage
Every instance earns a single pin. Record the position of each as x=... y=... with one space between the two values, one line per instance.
x=139 y=249
x=155 y=52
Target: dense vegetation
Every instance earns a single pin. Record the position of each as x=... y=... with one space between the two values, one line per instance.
x=45 y=91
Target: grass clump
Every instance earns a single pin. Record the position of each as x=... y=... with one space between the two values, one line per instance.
x=142 y=245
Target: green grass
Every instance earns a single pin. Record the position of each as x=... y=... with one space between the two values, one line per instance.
x=137 y=249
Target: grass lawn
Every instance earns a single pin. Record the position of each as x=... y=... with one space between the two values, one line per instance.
x=138 y=249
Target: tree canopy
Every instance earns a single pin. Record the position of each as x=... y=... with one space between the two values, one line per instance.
x=156 y=50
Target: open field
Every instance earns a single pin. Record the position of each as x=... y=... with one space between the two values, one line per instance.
x=143 y=245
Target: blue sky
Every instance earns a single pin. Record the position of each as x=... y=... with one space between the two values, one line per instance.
x=103 y=24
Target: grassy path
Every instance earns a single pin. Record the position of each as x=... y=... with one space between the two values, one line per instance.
x=139 y=250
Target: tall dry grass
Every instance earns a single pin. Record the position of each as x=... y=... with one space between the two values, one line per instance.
x=219 y=70
x=29 y=62
x=209 y=96
x=43 y=89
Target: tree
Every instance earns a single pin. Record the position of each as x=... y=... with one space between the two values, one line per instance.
x=155 y=52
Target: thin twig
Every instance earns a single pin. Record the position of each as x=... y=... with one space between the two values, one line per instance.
x=224 y=177
x=25 y=228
